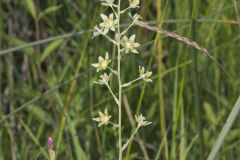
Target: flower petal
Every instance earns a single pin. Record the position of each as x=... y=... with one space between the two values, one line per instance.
x=95 y=65
x=101 y=24
x=105 y=30
x=111 y=16
x=106 y=56
x=97 y=119
x=132 y=38
x=136 y=45
x=106 y=112
x=134 y=50
x=100 y=59
x=113 y=28
x=101 y=114
x=104 y=17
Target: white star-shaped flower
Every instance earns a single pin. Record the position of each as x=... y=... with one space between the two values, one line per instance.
x=104 y=79
x=129 y=44
x=141 y=120
x=103 y=118
x=108 y=23
x=102 y=63
x=145 y=74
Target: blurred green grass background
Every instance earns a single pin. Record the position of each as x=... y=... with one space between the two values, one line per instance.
x=46 y=80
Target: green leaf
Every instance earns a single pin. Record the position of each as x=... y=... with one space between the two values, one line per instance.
x=50 y=49
x=49 y=10
x=225 y=130
x=18 y=42
x=40 y=114
x=210 y=115
x=31 y=7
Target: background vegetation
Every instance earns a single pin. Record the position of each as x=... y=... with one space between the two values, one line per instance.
x=47 y=89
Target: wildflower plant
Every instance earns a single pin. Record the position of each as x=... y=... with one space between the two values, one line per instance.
x=125 y=44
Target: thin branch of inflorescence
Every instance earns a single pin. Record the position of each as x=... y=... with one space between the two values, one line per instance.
x=115 y=98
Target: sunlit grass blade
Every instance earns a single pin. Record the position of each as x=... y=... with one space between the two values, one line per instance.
x=225 y=130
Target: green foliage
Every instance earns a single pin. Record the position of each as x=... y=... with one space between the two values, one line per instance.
x=49 y=10
x=30 y=6
x=48 y=50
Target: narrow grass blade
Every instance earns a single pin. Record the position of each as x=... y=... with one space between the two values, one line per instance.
x=226 y=128
x=51 y=47
x=3 y=52
x=33 y=137
x=31 y=7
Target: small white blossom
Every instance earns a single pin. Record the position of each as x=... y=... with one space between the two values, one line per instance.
x=104 y=79
x=107 y=2
x=145 y=74
x=134 y=3
x=108 y=23
x=103 y=118
x=141 y=120
x=129 y=44
x=102 y=63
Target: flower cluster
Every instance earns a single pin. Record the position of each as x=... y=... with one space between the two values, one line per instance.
x=124 y=44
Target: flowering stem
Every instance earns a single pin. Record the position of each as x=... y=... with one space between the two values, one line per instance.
x=115 y=98
x=114 y=11
x=113 y=71
x=133 y=23
x=129 y=83
x=123 y=11
x=129 y=140
x=119 y=83
x=122 y=50
x=110 y=39
x=116 y=6
x=113 y=124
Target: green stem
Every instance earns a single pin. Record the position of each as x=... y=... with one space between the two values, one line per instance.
x=123 y=11
x=125 y=31
x=130 y=139
x=119 y=85
x=192 y=16
x=110 y=39
x=115 y=98
x=129 y=83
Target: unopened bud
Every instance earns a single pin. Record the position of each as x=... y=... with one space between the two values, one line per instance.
x=50 y=143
